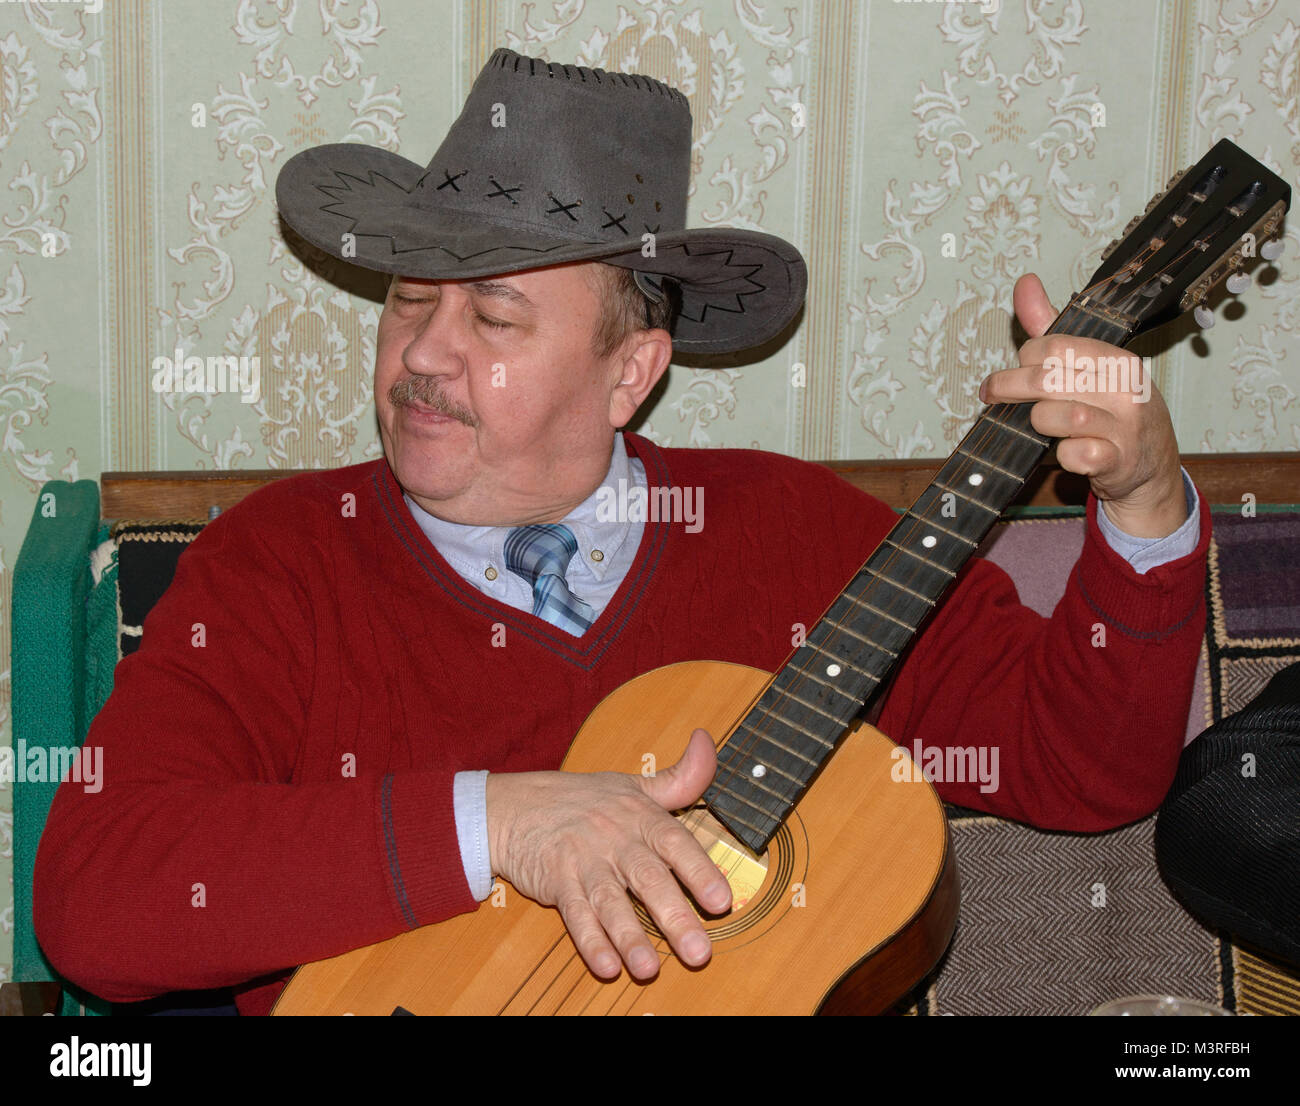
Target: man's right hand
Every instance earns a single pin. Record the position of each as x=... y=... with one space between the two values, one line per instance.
x=581 y=841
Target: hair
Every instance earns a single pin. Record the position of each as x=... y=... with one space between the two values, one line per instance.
x=624 y=309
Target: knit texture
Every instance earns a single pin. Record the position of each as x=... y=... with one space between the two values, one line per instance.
x=279 y=753
x=1226 y=839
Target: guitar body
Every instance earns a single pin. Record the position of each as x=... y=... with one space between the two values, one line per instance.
x=853 y=903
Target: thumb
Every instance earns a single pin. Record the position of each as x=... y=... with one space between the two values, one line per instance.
x=1033 y=308
x=683 y=783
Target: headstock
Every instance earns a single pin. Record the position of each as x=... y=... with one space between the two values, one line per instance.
x=1191 y=236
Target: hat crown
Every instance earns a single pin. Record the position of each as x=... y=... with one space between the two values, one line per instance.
x=587 y=155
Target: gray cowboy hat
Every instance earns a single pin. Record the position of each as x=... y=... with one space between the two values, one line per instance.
x=551 y=163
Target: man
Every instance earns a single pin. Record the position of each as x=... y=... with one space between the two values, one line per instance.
x=347 y=712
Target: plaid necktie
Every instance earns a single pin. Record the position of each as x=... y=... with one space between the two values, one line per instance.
x=540 y=555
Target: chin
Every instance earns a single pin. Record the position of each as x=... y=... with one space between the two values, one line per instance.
x=428 y=472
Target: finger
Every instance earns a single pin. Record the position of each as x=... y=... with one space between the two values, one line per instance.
x=613 y=908
x=652 y=882
x=1088 y=456
x=679 y=786
x=1033 y=308
x=588 y=936
x=1067 y=418
x=680 y=850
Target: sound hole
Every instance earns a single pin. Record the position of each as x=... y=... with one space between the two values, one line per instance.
x=758 y=883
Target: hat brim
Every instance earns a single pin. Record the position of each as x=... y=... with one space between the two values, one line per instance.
x=739 y=288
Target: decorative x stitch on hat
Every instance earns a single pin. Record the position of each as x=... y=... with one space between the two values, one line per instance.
x=550 y=163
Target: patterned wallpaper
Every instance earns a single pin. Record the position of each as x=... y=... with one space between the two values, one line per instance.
x=922 y=155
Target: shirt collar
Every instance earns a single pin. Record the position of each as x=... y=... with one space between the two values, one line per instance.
x=471 y=549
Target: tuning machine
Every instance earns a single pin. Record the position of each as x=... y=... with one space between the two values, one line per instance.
x=1272 y=249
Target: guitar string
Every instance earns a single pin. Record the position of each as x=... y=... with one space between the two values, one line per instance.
x=1091 y=327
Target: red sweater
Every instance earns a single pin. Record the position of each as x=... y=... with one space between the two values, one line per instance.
x=279 y=754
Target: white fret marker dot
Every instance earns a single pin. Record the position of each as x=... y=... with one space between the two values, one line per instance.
x=929 y=541
x=975 y=479
x=758 y=771
x=833 y=670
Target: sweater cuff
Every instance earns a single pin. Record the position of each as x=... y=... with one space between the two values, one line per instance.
x=1153 y=605
x=420 y=849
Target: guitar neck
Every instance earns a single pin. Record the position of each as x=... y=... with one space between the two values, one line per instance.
x=771 y=757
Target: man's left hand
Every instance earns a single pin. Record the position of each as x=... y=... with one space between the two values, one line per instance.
x=1126 y=448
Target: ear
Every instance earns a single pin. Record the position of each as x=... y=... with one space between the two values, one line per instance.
x=642 y=361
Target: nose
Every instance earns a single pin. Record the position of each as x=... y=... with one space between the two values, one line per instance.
x=438 y=345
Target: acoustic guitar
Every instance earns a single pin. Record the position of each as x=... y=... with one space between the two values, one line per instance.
x=843 y=881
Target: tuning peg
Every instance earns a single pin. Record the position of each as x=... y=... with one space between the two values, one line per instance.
x=1204 y=316
x=1272 y=250
x=1238 y=283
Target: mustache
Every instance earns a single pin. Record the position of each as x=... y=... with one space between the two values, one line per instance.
x=420 y=390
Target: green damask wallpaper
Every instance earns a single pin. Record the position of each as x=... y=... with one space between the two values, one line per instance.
x=922 y=155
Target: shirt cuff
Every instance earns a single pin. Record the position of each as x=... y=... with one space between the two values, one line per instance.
x=1144 y=554
x=469 y=804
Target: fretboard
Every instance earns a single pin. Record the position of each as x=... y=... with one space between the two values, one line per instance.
x=771 y=757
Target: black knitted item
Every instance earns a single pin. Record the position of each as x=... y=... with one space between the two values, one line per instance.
x=1227 y=837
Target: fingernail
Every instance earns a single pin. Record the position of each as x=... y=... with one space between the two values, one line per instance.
x=984 y=384
x=696 y=947
x=606 y=966
x=644 y=962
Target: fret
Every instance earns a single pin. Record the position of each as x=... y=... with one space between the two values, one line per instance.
x=732 y=817
x=786 y=693
x=942 y=529
x=826 y=683
x=863 y=637
x=1027 y=435
x=996 y=487
x=961 y=495
x=953 y=514
x=770 y=740
x=915 y=594
x=883 y=614
x=1016 y=455
x=914 y=577
x=756 y=757
x=946 y=571
x=750 y=782
x=989 y=464
x=843 y=660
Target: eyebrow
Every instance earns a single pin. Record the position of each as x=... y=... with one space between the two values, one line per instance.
x=497 y=290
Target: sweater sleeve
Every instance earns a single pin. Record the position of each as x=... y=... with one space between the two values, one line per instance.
x=1081 y=714
x=203 y=861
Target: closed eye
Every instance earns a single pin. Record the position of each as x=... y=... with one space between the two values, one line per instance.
x=495 y=324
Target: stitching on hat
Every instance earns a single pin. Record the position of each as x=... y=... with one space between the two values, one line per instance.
x=561 y=206
x=614 y=221
x=450 y=180
x=639 y=81
x=500 y=191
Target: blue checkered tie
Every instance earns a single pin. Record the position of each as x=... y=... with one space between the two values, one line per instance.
x=540 y=555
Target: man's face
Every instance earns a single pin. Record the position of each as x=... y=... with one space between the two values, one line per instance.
x=493 y=406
